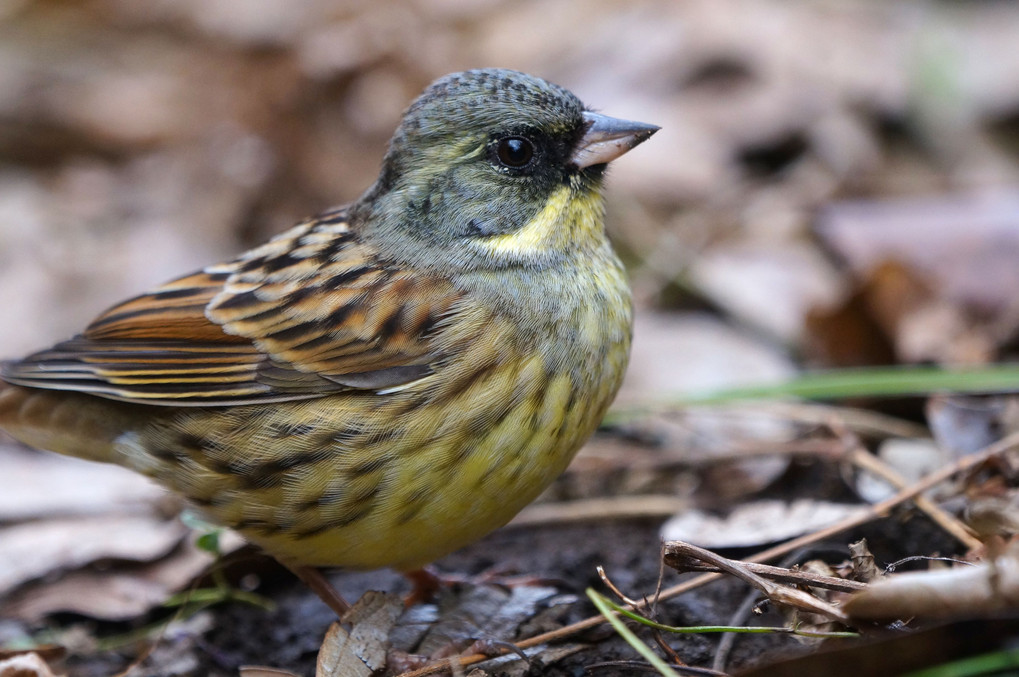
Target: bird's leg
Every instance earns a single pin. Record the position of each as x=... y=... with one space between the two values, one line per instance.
x=426 y=583
x=314 y=579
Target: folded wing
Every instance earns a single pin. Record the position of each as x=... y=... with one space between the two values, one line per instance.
x=313 y=312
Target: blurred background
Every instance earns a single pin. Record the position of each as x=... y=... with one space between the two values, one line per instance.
x=834 y=184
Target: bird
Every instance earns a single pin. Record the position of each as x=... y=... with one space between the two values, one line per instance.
x=389 y=380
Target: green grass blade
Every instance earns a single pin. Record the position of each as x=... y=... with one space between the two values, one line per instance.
x=603 y=606
x=866 y=382
x=986 y=664
x=706 y=629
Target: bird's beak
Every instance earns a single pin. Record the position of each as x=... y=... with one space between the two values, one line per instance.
x=607 y=138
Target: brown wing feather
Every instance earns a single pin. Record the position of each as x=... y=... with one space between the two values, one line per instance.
x=172 y=312
x=310 y=313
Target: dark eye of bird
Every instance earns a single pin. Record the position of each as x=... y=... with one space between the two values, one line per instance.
x=515 y=151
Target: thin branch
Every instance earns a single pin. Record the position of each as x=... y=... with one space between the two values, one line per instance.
x=612 y=586
x=676 y=559
x=865 y=460
x=782 y=594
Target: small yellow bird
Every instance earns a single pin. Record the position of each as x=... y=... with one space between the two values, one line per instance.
x=390 y=380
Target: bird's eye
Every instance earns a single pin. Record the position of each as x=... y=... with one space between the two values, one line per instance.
x=515 y=151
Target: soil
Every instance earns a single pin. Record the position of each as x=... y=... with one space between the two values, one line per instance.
x=564 y=557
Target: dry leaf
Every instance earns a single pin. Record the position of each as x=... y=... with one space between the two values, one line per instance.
x=772 y=286
x=927 y=265
x=695 y=353
x=994 y=515
x=25 y=665
x=911 y=458
x=116 y=593
x=965 y=424
x=989 y=587
x=756 y=523
x=362 y=651
x=72 y=487
x=33 y=550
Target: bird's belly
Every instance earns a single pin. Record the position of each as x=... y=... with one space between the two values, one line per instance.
x=429 y=495
x=443 y=497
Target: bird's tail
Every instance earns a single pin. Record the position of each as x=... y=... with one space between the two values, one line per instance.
x=67 y=423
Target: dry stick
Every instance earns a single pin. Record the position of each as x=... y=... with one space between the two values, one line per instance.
x=777 y=592
x=741 y=451
x=870 y=423
x=612 y=586
x=780 y=574
x=876 y=511
x=676 y=660
x=859 y=421
x=865 y=460
x=594 y=509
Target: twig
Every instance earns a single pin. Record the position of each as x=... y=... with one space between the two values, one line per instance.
x=741 y=451
x=721 y=629
x=865 y=460
x=677 y=560
x=890 y=568
x=782 y=594
x=600 y=510
x=739 y=617
x=612 y=586
x=869 y=423
x=860 y=421
x=649 y=605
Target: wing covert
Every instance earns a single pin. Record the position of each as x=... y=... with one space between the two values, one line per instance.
x=310 y=313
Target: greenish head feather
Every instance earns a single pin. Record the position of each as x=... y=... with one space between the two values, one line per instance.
x=445 y=190
x=488 y=100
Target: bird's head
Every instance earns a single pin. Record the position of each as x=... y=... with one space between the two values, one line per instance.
x=495 y=168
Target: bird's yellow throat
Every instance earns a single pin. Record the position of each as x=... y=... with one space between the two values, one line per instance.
x=569 y=216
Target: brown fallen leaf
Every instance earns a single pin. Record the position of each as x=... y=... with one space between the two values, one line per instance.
x=361 y=651
x=757 y=523
x=989 y=587
x=994 y=515
x=935 y=301
x=26 y=665
x=35 y=549
x=116 y=593
x=73 y=487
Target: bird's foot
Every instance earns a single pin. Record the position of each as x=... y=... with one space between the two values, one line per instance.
x=320 y=585
x=427 y=582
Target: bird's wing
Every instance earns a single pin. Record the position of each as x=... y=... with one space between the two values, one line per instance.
x=310 y=313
